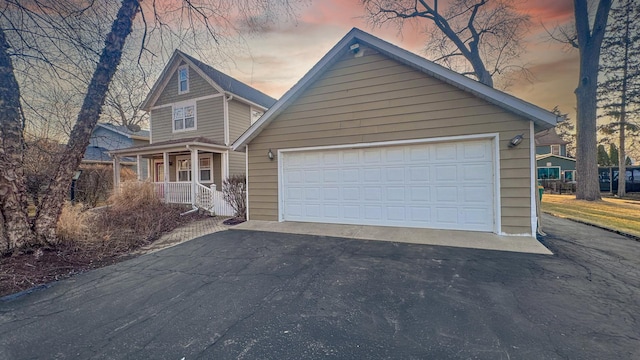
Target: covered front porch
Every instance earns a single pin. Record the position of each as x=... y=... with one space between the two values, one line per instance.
x=186 y=171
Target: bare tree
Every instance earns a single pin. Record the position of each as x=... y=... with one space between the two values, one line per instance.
x=47 y=31
x=487 y=34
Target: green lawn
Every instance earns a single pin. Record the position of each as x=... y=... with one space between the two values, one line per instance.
x=616 y=214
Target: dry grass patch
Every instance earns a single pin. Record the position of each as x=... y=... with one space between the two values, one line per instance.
x=93 y=238
x=616 y=214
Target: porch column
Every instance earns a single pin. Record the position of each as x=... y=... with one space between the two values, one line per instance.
x=165 y=175
x=138 y=168
x=195 y=164
x=116 y=173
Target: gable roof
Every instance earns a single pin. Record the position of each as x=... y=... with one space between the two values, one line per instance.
x=220 y=81
x=549 y=137
x=123 y=130
x=545 y=156
x=542 y=118
x=95 y=154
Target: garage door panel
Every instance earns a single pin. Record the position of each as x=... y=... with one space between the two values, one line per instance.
x=445 y=152
x=446 y=172
x=446 y=185
x=419 y=174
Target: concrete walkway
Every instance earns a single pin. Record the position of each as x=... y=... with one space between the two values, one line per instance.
x=188 y=232
x=454 y=238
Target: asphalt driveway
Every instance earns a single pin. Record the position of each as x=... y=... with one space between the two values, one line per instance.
x=257 y=295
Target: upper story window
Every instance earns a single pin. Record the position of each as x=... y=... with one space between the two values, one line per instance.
x=184 y=117
x=555 y=149
x=255 y=115
x=183 y=79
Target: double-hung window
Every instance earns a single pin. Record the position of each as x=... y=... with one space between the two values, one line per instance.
x=205 y=168
x=184 y=117
x=183 y=79
x=184 y=170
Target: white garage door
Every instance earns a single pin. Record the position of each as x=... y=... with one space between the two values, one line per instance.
x=433 y=185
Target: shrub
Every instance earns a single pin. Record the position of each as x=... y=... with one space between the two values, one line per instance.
x=234 y=192
x=96 y=183
x=73 y=225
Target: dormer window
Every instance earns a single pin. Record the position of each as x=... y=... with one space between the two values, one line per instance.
x=555 y=149
x=183 y=79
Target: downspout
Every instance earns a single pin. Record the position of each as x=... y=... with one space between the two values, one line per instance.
x=225 y=158
x=225 y=103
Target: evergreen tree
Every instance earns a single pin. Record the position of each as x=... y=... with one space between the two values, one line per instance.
x=614 y=154
x=603 y=157
x=566 y=130
x=619 y=88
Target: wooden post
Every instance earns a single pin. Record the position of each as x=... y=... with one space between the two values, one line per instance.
x=138 y=169
x=116 y=173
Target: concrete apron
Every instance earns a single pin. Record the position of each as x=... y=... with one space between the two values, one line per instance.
x=455 y=238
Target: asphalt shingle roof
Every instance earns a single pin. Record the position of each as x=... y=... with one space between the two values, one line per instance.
x=232 y=85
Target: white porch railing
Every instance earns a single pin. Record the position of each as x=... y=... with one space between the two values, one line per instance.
x=212 y=200
x=208 y=199
x=174 y=192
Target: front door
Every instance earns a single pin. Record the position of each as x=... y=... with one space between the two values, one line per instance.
x=159 y=172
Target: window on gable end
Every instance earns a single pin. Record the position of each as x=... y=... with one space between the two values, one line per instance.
x=555 y=149
x=183 y=79
x=255 y=115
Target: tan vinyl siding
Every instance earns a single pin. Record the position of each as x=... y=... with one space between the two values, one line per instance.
x=237 y=164
x=373 y=99
x=217 y=170
x=239 y=119
x=209 y=122
x=198 y=87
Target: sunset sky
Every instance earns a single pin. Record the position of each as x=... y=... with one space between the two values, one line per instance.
x=278 y=57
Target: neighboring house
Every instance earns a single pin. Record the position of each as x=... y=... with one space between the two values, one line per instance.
x=196 y=112
x=108 y=137
x=551 y=155
x=376 y=135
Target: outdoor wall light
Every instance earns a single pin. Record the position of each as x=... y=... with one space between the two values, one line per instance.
x=516 y=140
x=270 y=154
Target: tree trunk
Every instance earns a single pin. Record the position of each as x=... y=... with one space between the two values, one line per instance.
x=622 y=177
x=588 y=186
x=51 y=205
x=15 y=229
x=622 y=174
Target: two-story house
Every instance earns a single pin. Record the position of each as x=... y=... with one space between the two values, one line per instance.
x=196 y=112
x=551 y=157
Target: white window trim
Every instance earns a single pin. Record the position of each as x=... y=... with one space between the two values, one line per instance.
x=550 y=167
x=201 y=156
x=195 y=116
x=557 y=147
x=188 y=80
x=569 y=171
x=251 y=110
